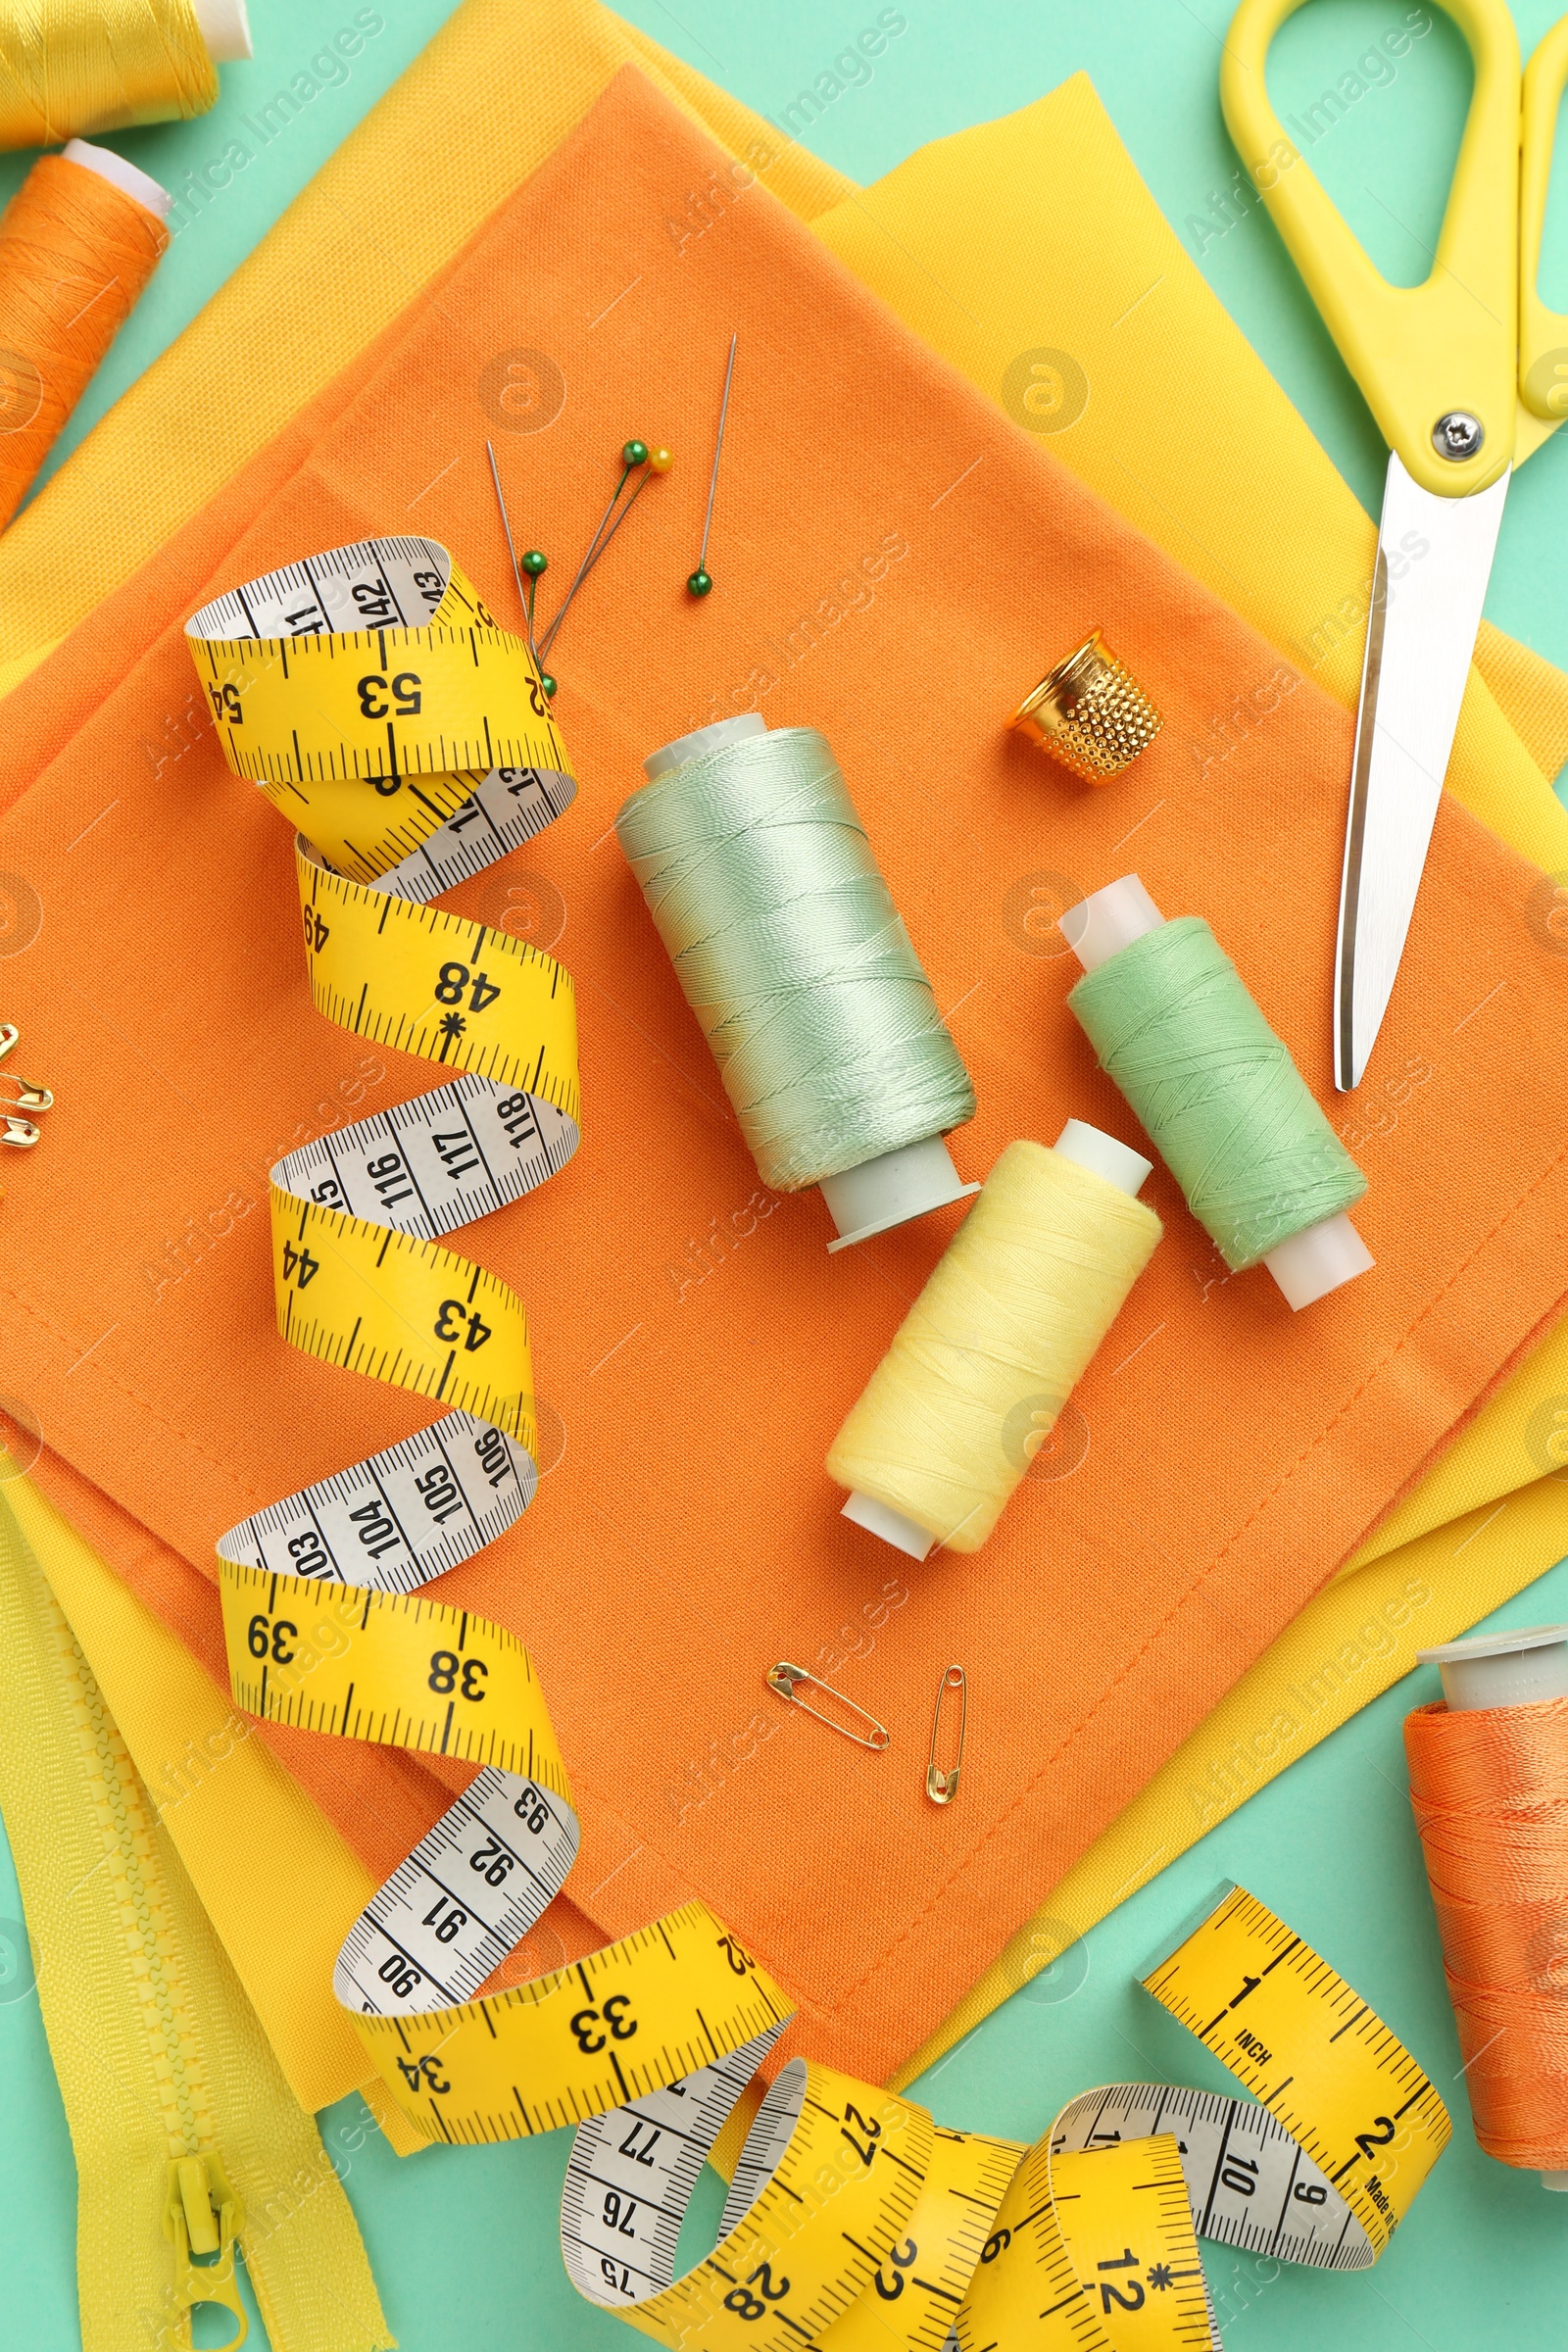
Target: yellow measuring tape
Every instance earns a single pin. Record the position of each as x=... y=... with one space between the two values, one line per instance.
x=372 y=665
x=1365 y=2118
x=367 y=761
x=1319 y=2171
x=851 y=2218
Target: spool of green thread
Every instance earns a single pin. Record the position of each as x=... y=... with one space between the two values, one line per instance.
x=1172 y=1023
x=794 y=959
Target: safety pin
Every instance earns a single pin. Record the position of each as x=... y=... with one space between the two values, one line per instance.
x=22 y=1133
x=786 y=1679
x=26 y=1097
x=942 y=1786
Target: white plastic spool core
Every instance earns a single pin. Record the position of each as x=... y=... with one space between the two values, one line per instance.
x=701 y=741
x=1088 y=1147
x=1308 y=1265
x=905 y=1535
x=1321 y=1259
x=1091 y=1148
x=1100 y=927
x=892 y=1190
x=896 y=1186
x=123 y=176
x=1504 y=1670
x=226 y=30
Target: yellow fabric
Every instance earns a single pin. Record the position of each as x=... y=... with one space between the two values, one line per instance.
x=157 y=2049
x=15 y=666
x=326 y=264
x=1532 y=692
x=1350 y=1642
x=1286 y=544
x=245 y=1831
x=1243 y=495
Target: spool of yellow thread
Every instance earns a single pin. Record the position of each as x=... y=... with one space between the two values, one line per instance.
x=72 y=67
x=989 y=1354
x=79 y=241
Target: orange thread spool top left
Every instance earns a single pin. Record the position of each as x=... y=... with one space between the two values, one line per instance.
x=76 y=252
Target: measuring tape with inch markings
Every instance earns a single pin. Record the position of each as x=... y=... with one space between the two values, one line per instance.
x=1320 y=2171
x=375 y=701
x=851 y=2217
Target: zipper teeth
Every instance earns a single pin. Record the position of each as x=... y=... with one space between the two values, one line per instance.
x=147 y=1932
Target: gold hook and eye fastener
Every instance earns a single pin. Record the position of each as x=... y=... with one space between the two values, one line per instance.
x=942 y=1782
x=786 y=1681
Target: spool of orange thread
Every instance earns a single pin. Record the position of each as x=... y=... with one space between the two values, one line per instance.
x=1488 y=1784
x=79 y=241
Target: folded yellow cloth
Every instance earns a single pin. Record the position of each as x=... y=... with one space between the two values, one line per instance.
x=324 y=266
x=1247 y=501
x=1032 y=241
x=247 y=1835
x=984 y=244
x=159 y=2054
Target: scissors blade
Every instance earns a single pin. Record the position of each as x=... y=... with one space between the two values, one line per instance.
x=1434 y=558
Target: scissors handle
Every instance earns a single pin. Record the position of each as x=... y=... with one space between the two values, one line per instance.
x=1543 y=333
x=1419 y=353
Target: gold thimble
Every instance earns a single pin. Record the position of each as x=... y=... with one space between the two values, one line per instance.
x=1090 y=712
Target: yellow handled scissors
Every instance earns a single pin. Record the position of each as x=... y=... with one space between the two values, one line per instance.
x=1466 y=374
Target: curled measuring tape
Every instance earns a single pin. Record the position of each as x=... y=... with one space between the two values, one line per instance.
x=851 y=2217
x=340 y=687
x=1319 y=2171
x=358 y=733
x=1339 y=2087
x=377 y=664
x=407 y=1671
x=376 y=702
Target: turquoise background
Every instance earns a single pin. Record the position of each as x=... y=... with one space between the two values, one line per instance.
x=464 y=2242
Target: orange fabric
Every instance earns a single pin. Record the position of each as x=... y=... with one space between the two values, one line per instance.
x=895 y=564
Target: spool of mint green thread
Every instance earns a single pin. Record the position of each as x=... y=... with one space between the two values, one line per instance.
x=794 y=959
x=1229 y=1112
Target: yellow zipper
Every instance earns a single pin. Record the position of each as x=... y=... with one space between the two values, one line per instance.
x=203 y=2216
x=160 y=1990
x=180 y=2116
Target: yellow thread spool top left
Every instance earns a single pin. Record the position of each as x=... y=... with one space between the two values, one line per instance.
x=75 y=67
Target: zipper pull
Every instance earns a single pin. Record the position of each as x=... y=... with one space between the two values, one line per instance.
x=202 y=2216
